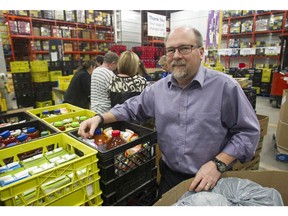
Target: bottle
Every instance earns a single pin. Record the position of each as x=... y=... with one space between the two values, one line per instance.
x=57 y=112
x=100 y=139
x=115 y=140
x=45 y=114
x=81 y=118
x=72 y=125
x=44 y=133
x=60 y=125
x=7 y=138
x=32 y=133
x=23 y=138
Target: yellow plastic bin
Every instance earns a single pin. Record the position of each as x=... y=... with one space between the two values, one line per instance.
x=65 y=107
x=73 y=117
x=81 y=186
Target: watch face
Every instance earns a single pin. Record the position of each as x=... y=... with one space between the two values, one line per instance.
x=221 y=167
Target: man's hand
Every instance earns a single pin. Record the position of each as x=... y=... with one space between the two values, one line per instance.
x=88 y=127
x=206 y=178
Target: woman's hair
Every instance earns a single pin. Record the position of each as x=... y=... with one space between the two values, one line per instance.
x=128 y=63
x=99 y=58
x=86 y=65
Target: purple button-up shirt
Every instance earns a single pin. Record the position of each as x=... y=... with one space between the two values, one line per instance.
x=210 y=115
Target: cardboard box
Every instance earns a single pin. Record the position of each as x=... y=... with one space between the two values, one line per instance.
x=272 y=179
x=282 y=128
x=263 y=122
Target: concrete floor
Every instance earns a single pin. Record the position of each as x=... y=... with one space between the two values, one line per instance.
x=267 y=155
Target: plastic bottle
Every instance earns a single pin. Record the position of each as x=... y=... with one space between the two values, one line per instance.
x=115 y=140
x=60 y=125
x=45 y=114
x=7 y=138
x=32 y=133
x=82 y=118
x=72 y=125
x=57 y=112
x=100 y=139
x=44 y=133
x=23 y=138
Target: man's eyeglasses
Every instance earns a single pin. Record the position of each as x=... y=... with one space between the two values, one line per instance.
x=185 y=49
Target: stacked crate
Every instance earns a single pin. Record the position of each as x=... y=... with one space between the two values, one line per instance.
x=118 y=48
x=128 y=179
x=52 y=170
x=41 y=82
x=22 y=82
x=146 y=55
x=73 y=182
x=251 y=96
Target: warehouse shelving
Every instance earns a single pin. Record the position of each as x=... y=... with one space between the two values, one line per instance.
x=97 y=40
x=251 y=37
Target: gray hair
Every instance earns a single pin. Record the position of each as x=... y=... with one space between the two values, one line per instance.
x=111 y=57
x=197 y=34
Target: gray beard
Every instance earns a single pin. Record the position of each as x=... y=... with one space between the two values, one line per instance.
x=180 y=76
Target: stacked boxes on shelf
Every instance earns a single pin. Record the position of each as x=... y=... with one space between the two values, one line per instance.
x=118 y=48
x=146 y=55
x=128 y=178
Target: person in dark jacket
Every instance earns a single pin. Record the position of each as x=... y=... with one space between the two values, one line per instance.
x=78 y=92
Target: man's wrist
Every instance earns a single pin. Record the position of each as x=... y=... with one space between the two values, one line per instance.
x=101 y=119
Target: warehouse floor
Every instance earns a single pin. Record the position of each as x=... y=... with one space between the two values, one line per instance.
x=267 y=155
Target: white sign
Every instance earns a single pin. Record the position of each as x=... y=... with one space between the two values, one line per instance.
x=156 y=25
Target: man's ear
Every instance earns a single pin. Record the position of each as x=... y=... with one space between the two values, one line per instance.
x=201 y=50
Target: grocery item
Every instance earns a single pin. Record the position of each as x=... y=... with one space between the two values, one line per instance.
x=7 y=138
x=60 y=125
x=115 y=140
x=45 y=114
x=32 y=133
x=100 y=139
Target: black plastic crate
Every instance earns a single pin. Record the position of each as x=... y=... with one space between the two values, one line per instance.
x=39 y=125
x=147 y=137
x=21 y=78
x=71 y=65
x=42 y=87
x=25 y=100
x=43 y=96
x=130 y=181
x=111 y=199
x=145 y=196
x=54 y=66
x=23 y=87
x=15 y=118
x=251 y=95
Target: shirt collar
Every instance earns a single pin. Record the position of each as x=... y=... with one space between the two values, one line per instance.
x=199 y=78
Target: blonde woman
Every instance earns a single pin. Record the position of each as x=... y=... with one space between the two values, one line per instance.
x=127 y=83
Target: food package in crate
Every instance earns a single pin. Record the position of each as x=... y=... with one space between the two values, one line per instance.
x=137 y=149
x=44 y=178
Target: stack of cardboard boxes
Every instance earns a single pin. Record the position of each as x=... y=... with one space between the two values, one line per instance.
x=282 y=128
